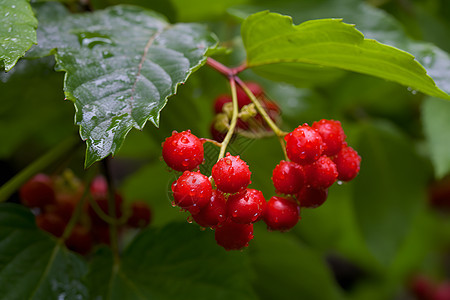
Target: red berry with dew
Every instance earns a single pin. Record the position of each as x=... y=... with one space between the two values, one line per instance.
x=246 y=207
x=310 y=197
x=288 y=177
x=304 y=145
x=214 y=213
x=183 y=151
x=192 y=191
x=348 y=163
x=322 y=173
x=281 y=213
x=231 y=174
x=332 y=134
x=233 y=236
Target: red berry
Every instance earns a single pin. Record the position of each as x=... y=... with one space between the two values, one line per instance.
x=311 y=197
x=38 y=191
x=322 y=173
x=246 y=207
x=304 y=145
x=348 y=163
x=281 y=213
x=192 y=191
x=51 y=223
x=183 y=151
x=332 y=134
x=242 y=97
x=64 y=209
x=422 y=287
x=214 y=212
x=233 y=236
x=288 y=177
x=231 y=174
x=80 y=240
x=220 y=102
x=140 y=214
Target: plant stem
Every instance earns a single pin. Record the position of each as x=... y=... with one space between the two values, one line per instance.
x=214 y=142
x=260 y=109
x=230 y=132
x=79 y=208
x=41 y=163
x=111 y=210
x=219 y=67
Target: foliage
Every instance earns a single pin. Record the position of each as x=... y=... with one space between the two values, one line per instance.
x=122 y=63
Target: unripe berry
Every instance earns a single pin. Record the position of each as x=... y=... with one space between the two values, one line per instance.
x=310 y=197
x=214 y=213
x=332 y=134
x=192 y=191
x=281 y=213
x=288 y=177
x=246 y=207
x=183 y=151
x=140 y=215
x=233 y=236
x=231 y=174
x=348 y=163
x=322 y=173
x=304 y=145
x=38 y=191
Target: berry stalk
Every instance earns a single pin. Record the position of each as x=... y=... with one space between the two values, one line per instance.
x=234 y=117
x=79 y=208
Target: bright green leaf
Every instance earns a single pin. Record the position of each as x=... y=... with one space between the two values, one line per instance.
x=17 y=31
x=271 y=39
x=389 y=190
x=121 y=65
x=32 y=264
x=178 y=261
x=436 y=116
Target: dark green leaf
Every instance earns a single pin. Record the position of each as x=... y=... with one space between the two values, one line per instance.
x=296 y=271
x=121 y=65
x=17 y=31
x=271 y=39
x=389 y=191
x=176 y=262
x=32 y=264
x=435 y=114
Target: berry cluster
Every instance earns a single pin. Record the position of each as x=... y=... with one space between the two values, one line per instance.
x=318 y=157
x=54 y=201
x=249 y=121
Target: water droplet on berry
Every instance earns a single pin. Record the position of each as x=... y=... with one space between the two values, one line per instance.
x=173 y=204
x=184 y=140
x=190 y=219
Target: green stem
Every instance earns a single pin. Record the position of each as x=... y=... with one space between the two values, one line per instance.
x=41 y=163
x=230 y=132
x=260 y=109
x=112 y=211
x=79 y=208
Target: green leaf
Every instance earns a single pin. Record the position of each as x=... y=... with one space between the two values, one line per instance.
x=32 y=264
x=390 y=190
x=296 y=271
x=271 y=39
x=121 y=65
x=17 y=31
x=435 y=115
x=176 y=262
